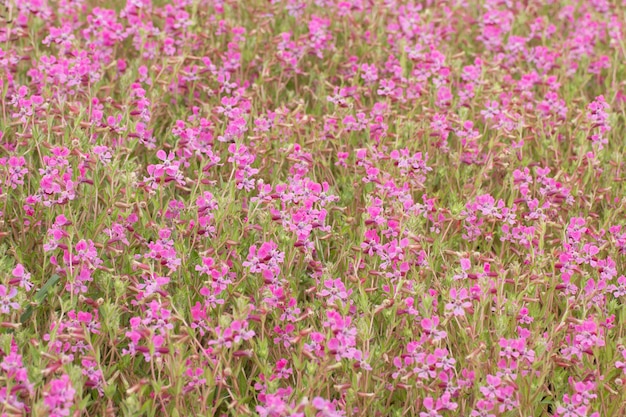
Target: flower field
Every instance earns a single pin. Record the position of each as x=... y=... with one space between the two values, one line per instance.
x=312 y=208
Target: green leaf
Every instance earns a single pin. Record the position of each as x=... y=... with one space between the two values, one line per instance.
x=39 y=297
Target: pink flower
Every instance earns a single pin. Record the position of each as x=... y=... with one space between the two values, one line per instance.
x=59 y=397
x=458 y=302
x=22 y=277
x=6 y=305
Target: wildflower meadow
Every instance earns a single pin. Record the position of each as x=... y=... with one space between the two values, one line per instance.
x=312 y=208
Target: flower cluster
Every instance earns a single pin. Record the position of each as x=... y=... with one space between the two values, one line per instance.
x=312 y=208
